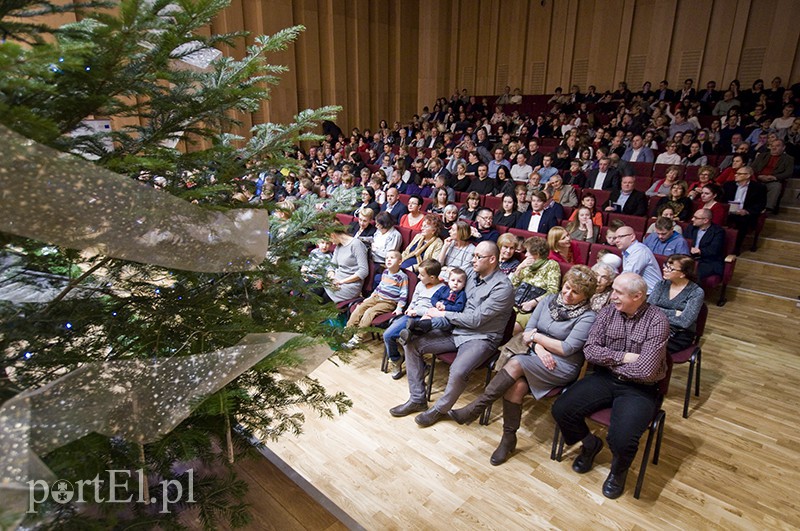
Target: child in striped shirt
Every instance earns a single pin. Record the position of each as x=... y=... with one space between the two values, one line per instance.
x=390 y=295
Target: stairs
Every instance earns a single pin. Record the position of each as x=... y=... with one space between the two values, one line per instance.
x=770 y=277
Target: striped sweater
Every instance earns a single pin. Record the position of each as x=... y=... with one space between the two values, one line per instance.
x=393 y=287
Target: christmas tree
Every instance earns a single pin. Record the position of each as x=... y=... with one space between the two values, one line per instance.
x=175 y=100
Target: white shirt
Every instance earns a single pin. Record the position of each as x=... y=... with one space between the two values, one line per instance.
x=600 y=180
x=533 y=226
x=521 y=173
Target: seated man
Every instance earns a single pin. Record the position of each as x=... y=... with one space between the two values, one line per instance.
x=477 y=332
x=627 y=345
x=665 y=240
x=627 y=200
x=747 y=200
x=547 y=170
x=709 y=244
x=483 y=184
x=638 y=152
x=773 y=168
x=485 y=230
x=637 y=258
x=604 y=177
x=540 y=218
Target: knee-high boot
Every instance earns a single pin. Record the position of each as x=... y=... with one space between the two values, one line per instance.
x=501 y=383
x=512 y=415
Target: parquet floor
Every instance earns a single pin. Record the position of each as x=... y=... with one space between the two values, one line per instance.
x=733 y=464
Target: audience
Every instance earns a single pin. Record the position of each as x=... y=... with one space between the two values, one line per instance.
x=457 y=149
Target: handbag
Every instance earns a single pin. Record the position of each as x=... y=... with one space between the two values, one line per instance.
x=526 y=292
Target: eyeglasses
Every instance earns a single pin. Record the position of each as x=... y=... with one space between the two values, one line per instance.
x=618 y=236
x=742 y=173
x=669 y=269
x=476 y=256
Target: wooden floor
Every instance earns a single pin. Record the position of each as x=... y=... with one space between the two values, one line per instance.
x=732 y=464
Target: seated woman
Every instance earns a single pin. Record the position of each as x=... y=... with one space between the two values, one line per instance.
x=362 y=228
x=662 y=187
x=425 y=245
x=605 y=274
x=710 y=196
x=462 y=180
x=457 y=250
x=368 y=201
x=449 y=217
x=555 y=335
x=695 y=156
x=508 y=214
x=439 y=202
x=680 y=299
x=729 y=173
x=664 y=211
x=470 y=210
x=682 y=206
x=507 y=243
x=590 y=201
x=523 y=203
x=705 y=175
x=562 y=248
x=582 y=228
x=413 y=220
x=503 y=184
x=385 y=239
x=538 y=271
x=350 y=264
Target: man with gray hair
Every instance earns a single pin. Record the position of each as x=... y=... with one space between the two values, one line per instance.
x=628 y=346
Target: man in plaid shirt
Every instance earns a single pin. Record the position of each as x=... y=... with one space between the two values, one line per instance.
x=627 y=345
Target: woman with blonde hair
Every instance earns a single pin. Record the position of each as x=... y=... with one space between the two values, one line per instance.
x=425 y=245
x=554 y=336
x=457 y=249
x=582 y=227
x=562 y=248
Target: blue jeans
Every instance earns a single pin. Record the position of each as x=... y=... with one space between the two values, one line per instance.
x=391 y=334
x=440 y=323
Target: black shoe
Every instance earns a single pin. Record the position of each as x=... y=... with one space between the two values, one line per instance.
x=404 y=336
x=614 y=485
x=585 y=460
x=397 y=369
x=408 y=408
x=429 y=418
x=424 y=326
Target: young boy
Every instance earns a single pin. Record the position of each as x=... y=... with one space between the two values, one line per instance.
x=427 y=286
x=448 y=298
x=318 y=262
x=390 y=295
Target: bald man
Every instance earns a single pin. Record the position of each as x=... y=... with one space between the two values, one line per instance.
x=476 y=335
x=627 y=346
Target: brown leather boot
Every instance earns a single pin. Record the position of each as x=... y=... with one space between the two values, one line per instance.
x=496 y=388
x=512 y=415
